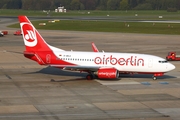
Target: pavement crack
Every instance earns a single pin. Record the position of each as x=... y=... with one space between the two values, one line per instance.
x=8 y=76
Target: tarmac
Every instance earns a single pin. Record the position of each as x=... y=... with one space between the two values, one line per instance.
x=33 y=92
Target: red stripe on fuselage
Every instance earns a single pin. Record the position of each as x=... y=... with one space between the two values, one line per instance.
x=50 y=58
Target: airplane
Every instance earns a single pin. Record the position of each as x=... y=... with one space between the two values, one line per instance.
x=100 y=65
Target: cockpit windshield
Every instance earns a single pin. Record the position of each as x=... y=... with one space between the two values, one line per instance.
x=163 y=61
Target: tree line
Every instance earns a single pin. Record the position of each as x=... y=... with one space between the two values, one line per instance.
x=91 y=4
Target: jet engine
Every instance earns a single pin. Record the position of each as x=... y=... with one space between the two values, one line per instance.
x=107 y=73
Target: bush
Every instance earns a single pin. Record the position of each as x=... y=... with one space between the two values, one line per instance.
x=145 y=6
x=172 y=10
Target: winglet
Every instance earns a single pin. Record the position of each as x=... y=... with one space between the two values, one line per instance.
x=94 y=47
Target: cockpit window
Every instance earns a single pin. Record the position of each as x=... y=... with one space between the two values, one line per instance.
x=165 y=61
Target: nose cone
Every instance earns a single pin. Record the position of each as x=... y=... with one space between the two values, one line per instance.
x=171 y=67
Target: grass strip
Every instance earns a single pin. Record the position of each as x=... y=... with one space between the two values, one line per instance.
x=109 y=26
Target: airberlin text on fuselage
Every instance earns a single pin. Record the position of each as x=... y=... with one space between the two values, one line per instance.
x=130 y=61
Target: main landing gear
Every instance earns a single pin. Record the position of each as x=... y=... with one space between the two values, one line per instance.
x=89 y=77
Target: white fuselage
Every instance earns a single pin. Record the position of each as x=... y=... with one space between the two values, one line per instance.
x=127 y=62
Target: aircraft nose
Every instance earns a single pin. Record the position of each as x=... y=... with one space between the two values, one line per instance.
x=171 y=66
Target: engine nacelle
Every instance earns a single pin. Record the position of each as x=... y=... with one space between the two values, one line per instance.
x=107 y=73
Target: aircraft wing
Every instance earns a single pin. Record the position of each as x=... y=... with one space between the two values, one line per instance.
x=77 y=68
x=85 y=68
x=82 y=68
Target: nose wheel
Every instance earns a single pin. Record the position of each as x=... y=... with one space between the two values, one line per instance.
x=154 y=77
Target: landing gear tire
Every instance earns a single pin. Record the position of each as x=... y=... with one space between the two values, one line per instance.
x=154 y=77
x=89 y=77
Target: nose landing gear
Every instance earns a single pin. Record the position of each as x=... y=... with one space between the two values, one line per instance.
x=154 y=77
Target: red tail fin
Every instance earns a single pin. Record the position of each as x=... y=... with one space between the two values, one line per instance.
x=36 y=47
x=32 y=39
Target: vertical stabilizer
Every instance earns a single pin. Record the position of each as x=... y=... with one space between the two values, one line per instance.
x=36 y=47
x=32 y=39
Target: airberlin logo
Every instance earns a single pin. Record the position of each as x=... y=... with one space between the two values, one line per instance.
x=30 y=37
x=130 y=61
x=29 y=34
x=108 y=74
